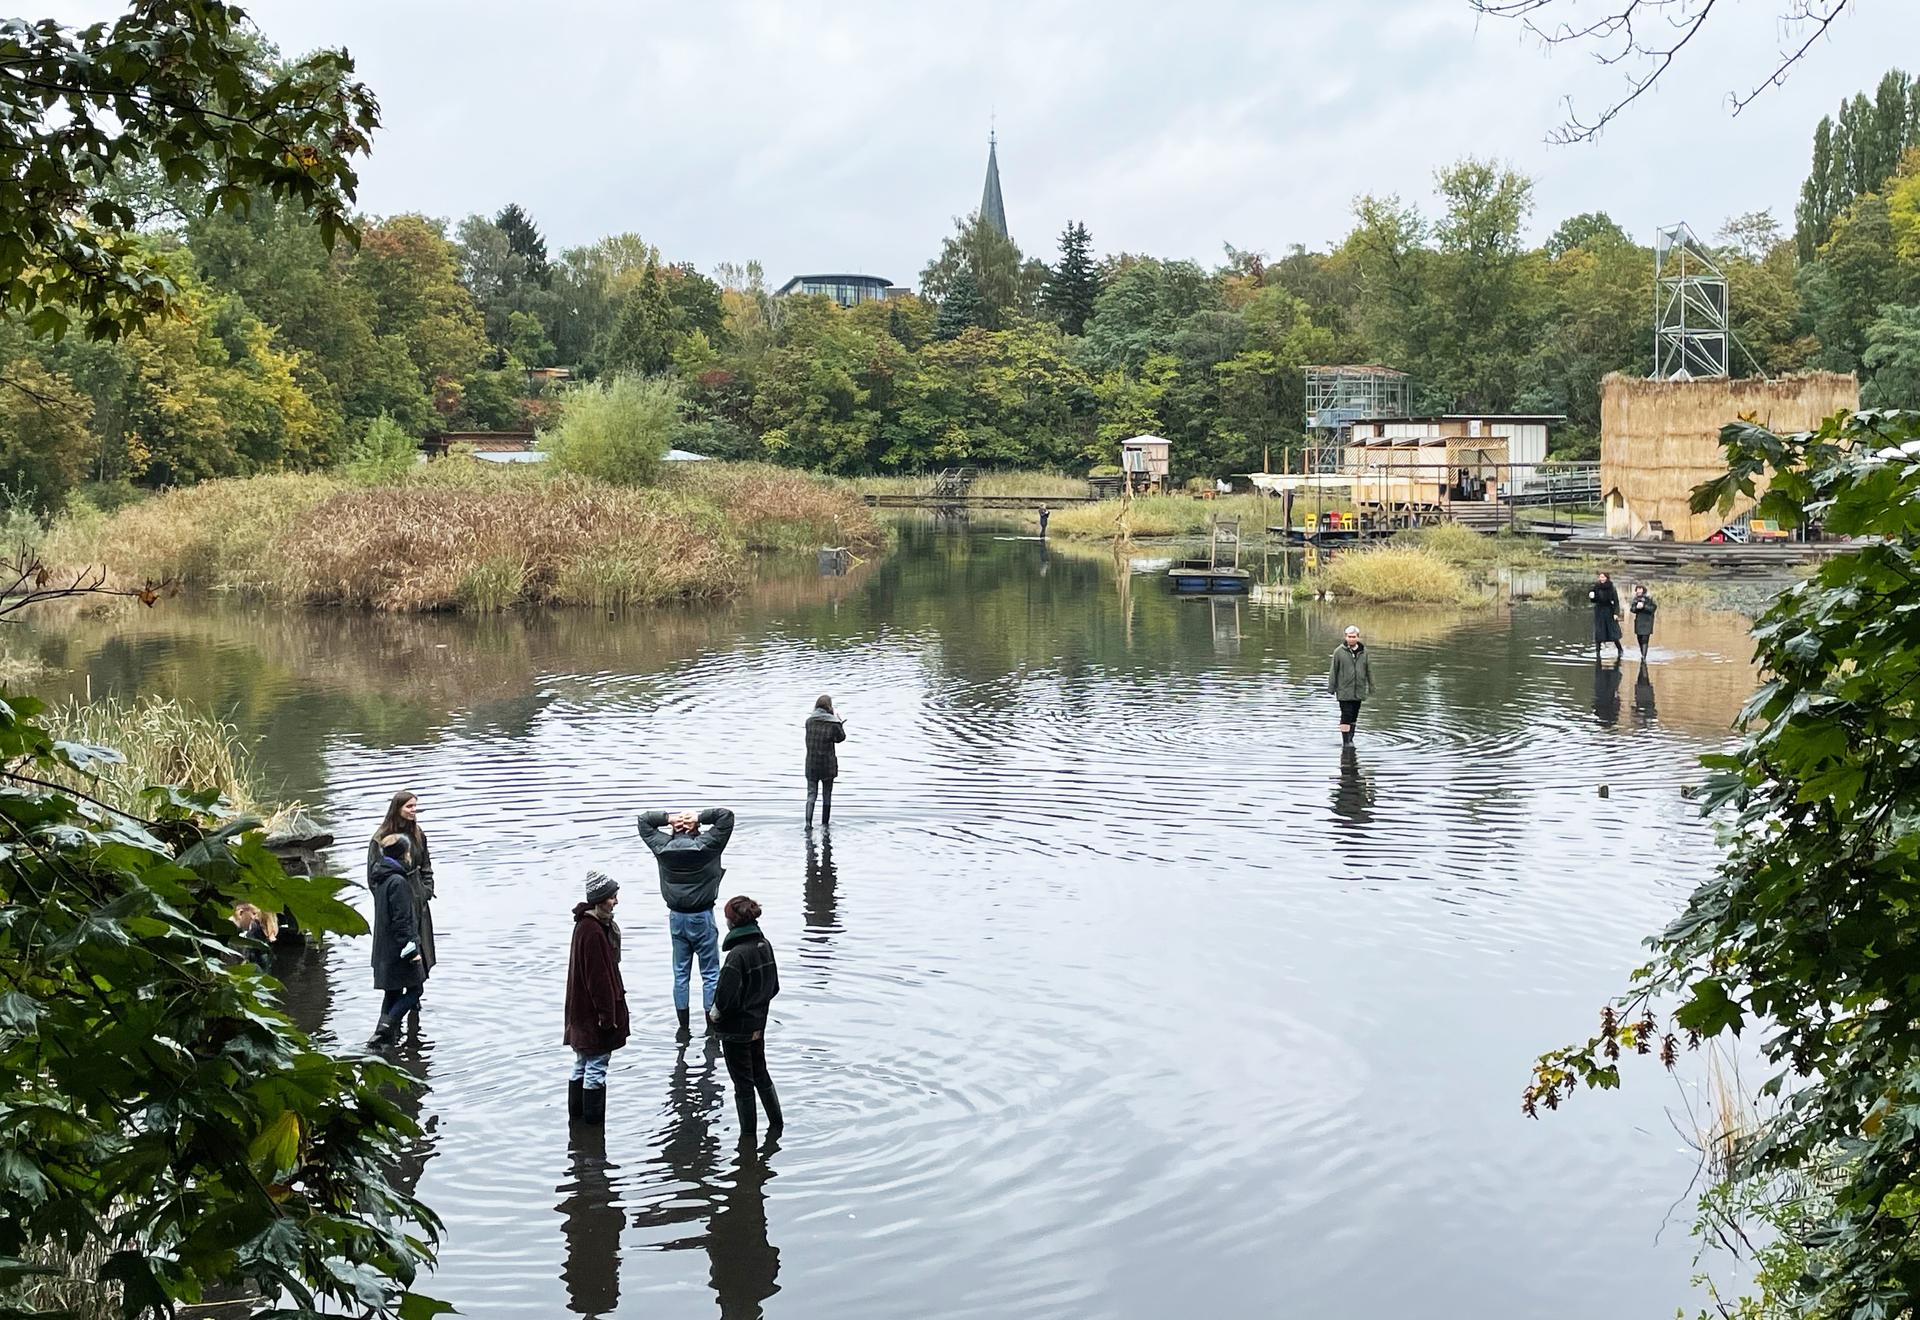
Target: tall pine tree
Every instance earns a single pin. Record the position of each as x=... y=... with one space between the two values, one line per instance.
x=524 y=238
x=963 y=307
x=1074 y=283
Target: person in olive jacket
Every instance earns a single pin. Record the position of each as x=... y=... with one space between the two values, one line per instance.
x=1642 y=608
x=748 y=983
x=824 y=730
x=398 y=969
x=690 y=873
x=596 y=1004
x=1350 y=680
x=1606 y=615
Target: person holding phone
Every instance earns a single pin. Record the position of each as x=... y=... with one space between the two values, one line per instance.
x=399 y=971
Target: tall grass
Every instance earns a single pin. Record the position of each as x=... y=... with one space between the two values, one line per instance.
x=1399 y=574
x=778 y=508
x=164 y=742
x=1471 y=549
x=1163 y=515
x=1042 y=484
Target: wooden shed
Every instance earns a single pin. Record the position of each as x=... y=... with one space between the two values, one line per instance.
x=1145 y=460
x=1425 y=472
x=1659 y=439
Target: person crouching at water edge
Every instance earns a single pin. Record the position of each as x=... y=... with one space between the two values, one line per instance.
x=596 y=1006
x=824 y=729
x=748 y=983
x=398 y=968
x=690 y=874
x=1350 y=680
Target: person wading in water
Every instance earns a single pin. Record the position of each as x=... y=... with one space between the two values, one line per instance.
x=748 y=983
x=824 y=729
x=1606 y=615
x=690 y=873
x=1350 y=680
x=1643 y=608
x=399 y=969
x=596 y=1005
x=403 y=819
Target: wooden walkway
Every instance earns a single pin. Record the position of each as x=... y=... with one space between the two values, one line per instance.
x=1766 y=557
x=930 y=501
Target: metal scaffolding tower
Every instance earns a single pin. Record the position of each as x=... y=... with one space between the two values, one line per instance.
x=1337 y=397
x=1691 y=336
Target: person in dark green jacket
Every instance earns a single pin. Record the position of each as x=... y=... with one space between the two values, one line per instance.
x=1350 y=680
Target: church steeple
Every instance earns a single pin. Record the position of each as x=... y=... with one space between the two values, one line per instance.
x=992 y=209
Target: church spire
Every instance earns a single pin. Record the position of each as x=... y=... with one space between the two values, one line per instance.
x=992 y=209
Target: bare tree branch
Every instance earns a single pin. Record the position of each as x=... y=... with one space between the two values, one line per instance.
x=1630 y=34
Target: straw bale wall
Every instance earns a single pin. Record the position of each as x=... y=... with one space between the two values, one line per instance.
x=1661 y=438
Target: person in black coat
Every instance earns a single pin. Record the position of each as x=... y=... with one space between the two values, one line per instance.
x=1606 y=615
x=403 y=818
x=748 y=982
x=824 y=730
x=398 y=968
x=1642 y=608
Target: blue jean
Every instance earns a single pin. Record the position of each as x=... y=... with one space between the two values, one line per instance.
x=396 y=1004
x=694 y=933
x=590 y=1070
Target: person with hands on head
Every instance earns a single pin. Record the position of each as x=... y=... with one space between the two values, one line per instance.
x=687 y=847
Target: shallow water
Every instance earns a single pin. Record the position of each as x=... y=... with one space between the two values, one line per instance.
x=1115 y=989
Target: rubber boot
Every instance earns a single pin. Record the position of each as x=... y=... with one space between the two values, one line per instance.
x=593 y=1105
x=685 y=1033
x=575 y=1101
x=749 y=1120
x=770 y=1101
x=382 y=1035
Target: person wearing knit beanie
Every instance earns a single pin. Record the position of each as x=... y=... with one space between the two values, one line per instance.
x=596 y=1003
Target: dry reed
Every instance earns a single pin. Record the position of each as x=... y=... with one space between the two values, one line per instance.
x=1398 y=573
x=164 y=742
x=778 y=508
x=1161 y=515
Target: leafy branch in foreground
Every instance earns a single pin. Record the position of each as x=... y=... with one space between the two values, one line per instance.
x=1809 y=931
x=160 y=1113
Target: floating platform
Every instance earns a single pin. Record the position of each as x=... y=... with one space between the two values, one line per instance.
x=1767 y=557
x=1330 y=536
x=1199 y=576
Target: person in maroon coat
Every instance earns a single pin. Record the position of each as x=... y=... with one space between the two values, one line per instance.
x=596 y=998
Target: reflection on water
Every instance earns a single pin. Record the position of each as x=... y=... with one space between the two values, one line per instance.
x=1118 y=988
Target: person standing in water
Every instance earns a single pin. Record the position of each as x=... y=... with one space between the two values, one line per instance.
x=399 y=970
x=1643 y=608
x=1350 y=680
x=690 y=874
x=824 y=730
x=596 y=1004
x=1606 y=615
x=748 y=983
x=1045 y=513
x=403 y=818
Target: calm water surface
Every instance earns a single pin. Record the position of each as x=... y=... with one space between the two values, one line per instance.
x=1115 y=990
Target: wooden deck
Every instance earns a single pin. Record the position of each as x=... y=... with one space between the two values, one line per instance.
x=930 y=501
x=1757 y=559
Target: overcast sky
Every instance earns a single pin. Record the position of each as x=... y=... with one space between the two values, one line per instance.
x=847 y=135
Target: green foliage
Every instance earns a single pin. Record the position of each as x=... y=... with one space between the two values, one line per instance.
x=1853 y=155
x=616 y=431
x=1803 y=933
x=385 y=453
x=163 y=1115
x=45 y=443
x=962 y=308
x=1073 y=286
x=173 y=86
x=1008 y=285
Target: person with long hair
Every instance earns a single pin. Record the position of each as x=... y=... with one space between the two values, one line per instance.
x=399 y=971
x=824 y=729
x=1606 y=615
x=403 y=818
x=749 y=979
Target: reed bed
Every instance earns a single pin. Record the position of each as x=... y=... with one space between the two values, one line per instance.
x=1470 y=549
x=164 y=742
x=1399 y=574
x=1161 y=515
x=778 y=508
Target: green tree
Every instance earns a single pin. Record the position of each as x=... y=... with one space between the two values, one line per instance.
x=1006 y=398
x=1893 y=357
x=1803 y=934
x=1141 y=306
x=173 y=86
x=1009 y=285
x=526 y=242
x=828 y=397
x=45 y=442
x=962 y=309
x=1854 y=152
x=1074 y=283
x=1483 y=287
x=1856 y=275
x=384 y=454
x=1586 y=230
x=616 y=431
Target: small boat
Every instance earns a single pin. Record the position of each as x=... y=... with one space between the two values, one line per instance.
x=1218 y=572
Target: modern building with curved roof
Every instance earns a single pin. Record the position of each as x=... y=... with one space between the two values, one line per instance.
x=847 y=290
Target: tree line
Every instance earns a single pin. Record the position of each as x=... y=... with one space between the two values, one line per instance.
x=280 y=353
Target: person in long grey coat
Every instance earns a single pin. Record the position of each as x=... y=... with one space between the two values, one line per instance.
x=1606 y=615
x=403 y=818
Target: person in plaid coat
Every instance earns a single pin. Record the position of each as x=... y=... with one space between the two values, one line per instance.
x=824 y=730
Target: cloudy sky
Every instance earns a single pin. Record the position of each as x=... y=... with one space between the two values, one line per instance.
x=846 y=136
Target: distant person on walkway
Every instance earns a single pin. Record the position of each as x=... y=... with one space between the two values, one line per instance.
x=1606 y=615
x=399 y=968
x=824 y=730
x=596 y=1005
x=403 y=818
x=1045 y=513
x=1350 y=680
x=1643 y=608
x=690 y=873
x=748 y=984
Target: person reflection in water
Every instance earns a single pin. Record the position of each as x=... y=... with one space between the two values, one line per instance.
x=1353 y=794
x=1606 y=692
x=749 y=980
x=1643 y=711
x=591 y=1218
x=822 y=891
x=746 y=1266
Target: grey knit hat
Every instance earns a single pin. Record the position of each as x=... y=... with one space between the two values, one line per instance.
x=600 y=888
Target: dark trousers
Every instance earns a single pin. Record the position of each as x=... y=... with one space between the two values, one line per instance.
x=1643 y=638
x=747 y=1066
x=398 y=1003
x=823 y=787
x=1349 y=713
